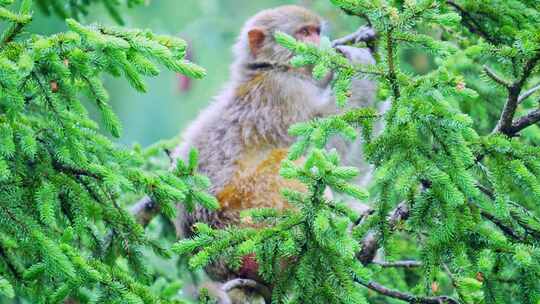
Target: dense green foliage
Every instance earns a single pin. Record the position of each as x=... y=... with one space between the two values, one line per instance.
x=455 y=188
x=62 y=231
x=454 y=196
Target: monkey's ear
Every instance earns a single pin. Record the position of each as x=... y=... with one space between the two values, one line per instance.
x=255 y=38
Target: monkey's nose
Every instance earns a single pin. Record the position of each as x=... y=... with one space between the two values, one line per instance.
x=314 y=39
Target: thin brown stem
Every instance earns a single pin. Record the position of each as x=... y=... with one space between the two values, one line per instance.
x=396 y=294
x=399 y=264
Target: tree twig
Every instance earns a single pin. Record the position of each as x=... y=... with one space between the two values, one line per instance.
x=399 y=264
x=396 y=294
x=497 y=78
x=497 y=222
x=528 y=93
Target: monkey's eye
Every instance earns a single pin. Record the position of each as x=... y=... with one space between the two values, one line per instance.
x=304 y=31
x=318 y=30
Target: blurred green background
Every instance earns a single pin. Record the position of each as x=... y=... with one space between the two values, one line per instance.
x=211 y=27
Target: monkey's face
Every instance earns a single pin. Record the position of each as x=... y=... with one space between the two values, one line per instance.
x=296 y=21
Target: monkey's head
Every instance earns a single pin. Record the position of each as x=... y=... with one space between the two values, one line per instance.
x=257 y=44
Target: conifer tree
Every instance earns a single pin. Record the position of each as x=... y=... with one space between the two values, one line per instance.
x=63 y=232
x=457 y=182
x=454 y=216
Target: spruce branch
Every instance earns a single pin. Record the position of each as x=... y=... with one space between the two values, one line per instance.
x=471 y=23
x=10 y=266
x=18 y=21
x=504 y=227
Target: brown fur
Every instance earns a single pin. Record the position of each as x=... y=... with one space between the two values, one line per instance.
x=242 y=136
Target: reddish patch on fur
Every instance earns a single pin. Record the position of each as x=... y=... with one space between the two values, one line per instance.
x=250 y=267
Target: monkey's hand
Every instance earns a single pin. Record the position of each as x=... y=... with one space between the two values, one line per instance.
x=356 y=55
x=363 y=34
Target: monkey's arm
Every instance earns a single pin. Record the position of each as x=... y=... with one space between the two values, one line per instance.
x=363 y=34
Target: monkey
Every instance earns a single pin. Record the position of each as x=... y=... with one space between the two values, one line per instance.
x=242 y=136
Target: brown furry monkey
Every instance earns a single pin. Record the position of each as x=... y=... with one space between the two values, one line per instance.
x=242 y=136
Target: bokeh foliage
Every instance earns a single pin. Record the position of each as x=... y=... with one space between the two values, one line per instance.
x=62 y=231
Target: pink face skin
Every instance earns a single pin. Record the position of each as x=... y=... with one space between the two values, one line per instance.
x=309 y=34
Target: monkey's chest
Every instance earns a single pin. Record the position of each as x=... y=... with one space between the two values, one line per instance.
x=257 y=183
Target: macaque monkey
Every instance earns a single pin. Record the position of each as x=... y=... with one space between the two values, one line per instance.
x=242 y=136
